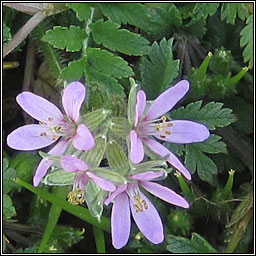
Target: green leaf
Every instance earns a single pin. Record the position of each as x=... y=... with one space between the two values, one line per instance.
x=96 y=78
x=107 y=63
x=195 y=159
x=135 y=14
x=6 y=33
x=25 y=164
x=212 y=114
x=8 y=175
x=158 y=72
x=59 y=178
x=196 y=27
x=74 y=70
x=202 y=10
x=229 y=11
x=82 y=10
x=109 y=35
x=8 y=208
x=116 y=157
x=197 y=244
x=247 y=40
x=70 y=38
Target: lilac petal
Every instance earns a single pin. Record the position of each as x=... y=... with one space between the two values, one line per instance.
x=140 y=106
x=72 y=164
x=81 y=180
x=39 y=108
x=173 y=160
x=72 y=99
x=83 y=140
x=148 y=220
x=165 y=194
x=147 y=176
x=119 y=190
x=45 y=164
x=31 y=137
x=137 y=150
x=102 y=183
x=183 y=132
x=120 y=221
x=167 y=100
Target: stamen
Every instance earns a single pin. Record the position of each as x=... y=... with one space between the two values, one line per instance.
x=50 y=119
x=167 y=132
x=54 y=137
x=163 y=118
x=140 y=204
x=43 y=134
x=158 y=127
x=169 y=124
x=76 y=197
x=162 y=136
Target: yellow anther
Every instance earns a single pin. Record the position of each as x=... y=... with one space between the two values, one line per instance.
x=167 y=133
x=54 y=137
x=163 y=118
x=169 y=124
x=140 y=204
x=76 y=197
x=158 y=127
x=43 y=134
x=50 y=119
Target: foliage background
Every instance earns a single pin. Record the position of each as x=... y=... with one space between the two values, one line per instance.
x=102 y=45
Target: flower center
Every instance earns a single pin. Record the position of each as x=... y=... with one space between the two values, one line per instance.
x=76 y=196
x=154 y=127
x=140 y=204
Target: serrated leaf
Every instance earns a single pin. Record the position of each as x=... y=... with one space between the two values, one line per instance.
x=108 y=63
x=82 y=10
x=8 y=208
x=74 y=70
x=247 y=40
x=108 y=34
x=202 y=10
x=135 y=14
x=229 y=11
x=6 y=33
x=59 y=178
x=116 y=157
x=196 y=27
x=158 y=72
x=197 y=244
x=96 y=78
x=212 y=145
x=70 y=38
x=212 y=114
x=195 y=159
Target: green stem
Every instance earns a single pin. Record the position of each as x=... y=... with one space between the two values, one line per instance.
x=99 y=239
x=54 y=215
x=75 y=210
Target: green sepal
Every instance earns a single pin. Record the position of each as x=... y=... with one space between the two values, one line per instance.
x=132 y=100
x=116 y=157
x=94 y=118
x=59 y=178
x=120 y=126
x=94 y=156
x=110 y=175
x=94 y=198
x=201 y=71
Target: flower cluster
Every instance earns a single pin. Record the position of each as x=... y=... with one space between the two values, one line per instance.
x=78 y=150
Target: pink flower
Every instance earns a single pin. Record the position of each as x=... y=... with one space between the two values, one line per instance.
x=128 y=199
x=83 y=175
x=52 y=125
x=151 y=123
